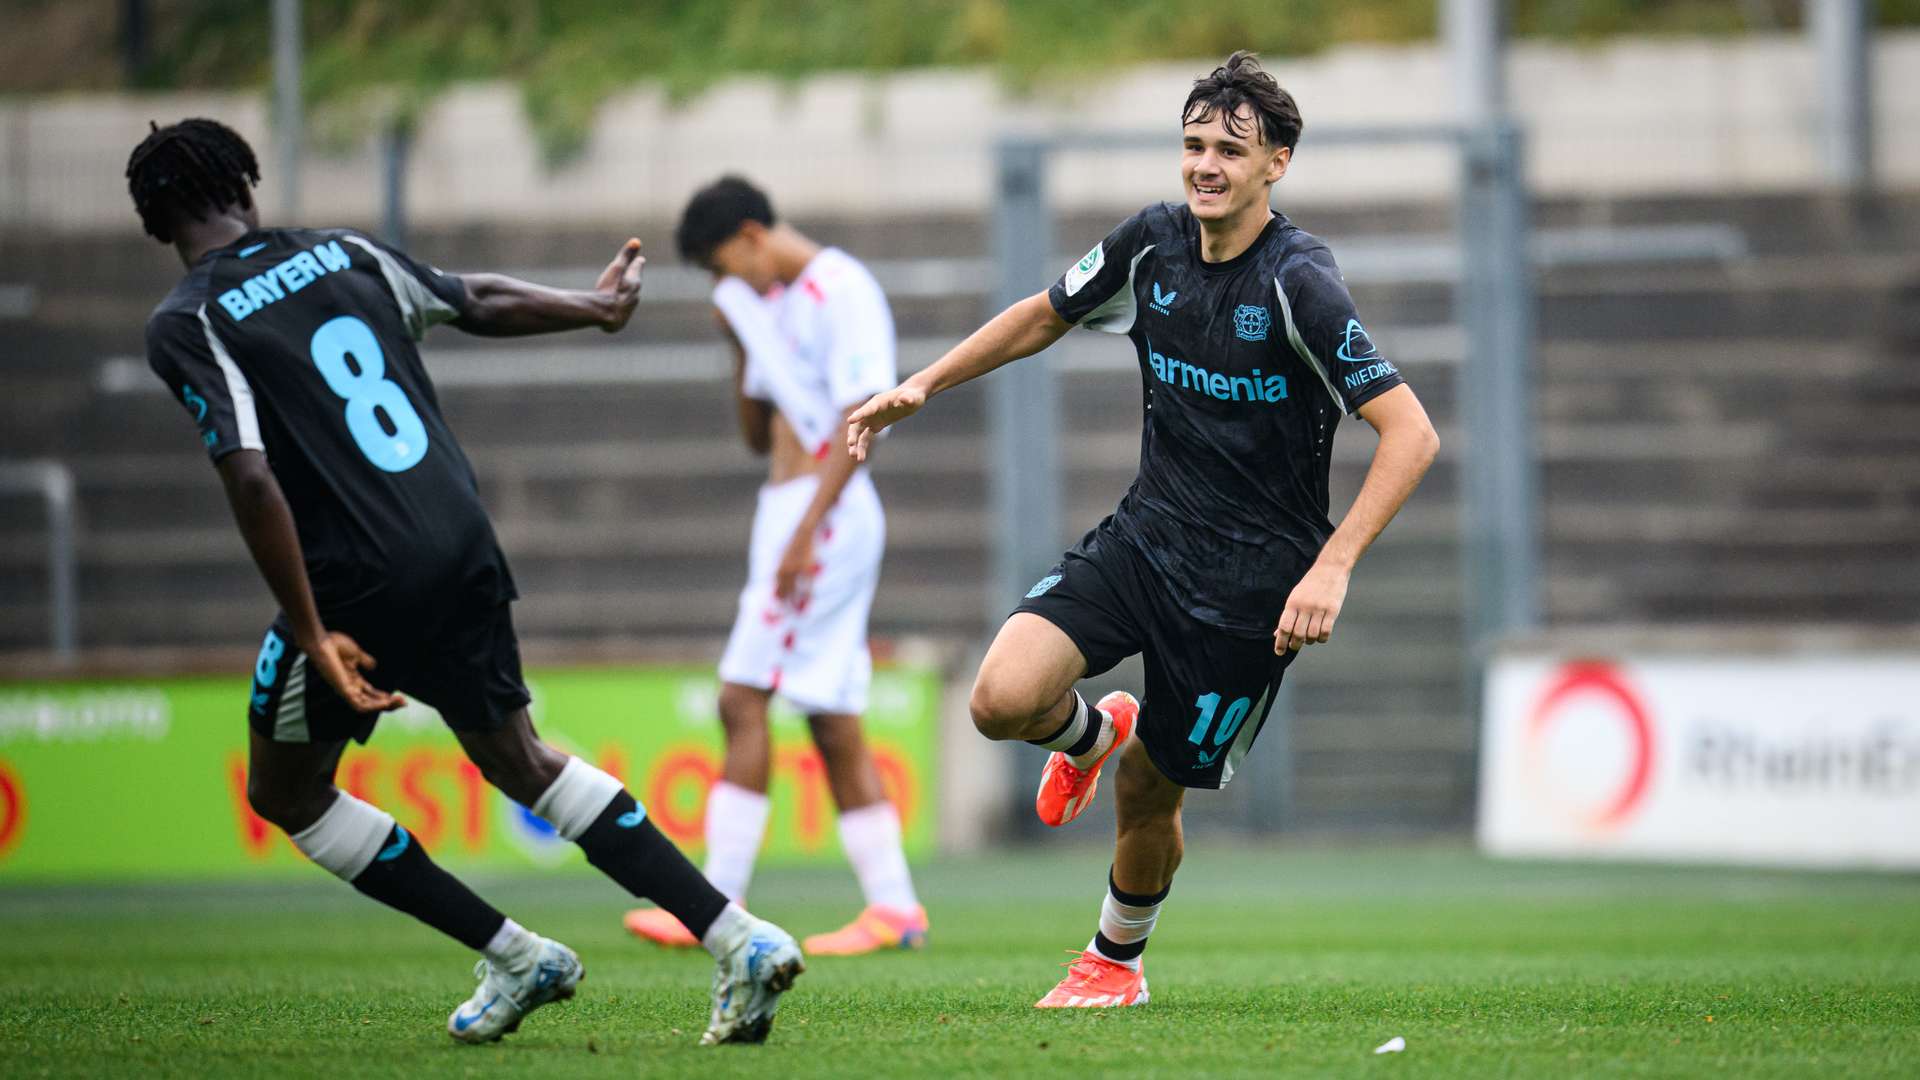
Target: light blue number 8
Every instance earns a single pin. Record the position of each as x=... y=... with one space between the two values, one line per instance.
x=367 y=391
x=267 y=666
x=1229 y=724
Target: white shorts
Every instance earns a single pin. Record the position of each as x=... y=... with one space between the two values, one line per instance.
x=812 y=652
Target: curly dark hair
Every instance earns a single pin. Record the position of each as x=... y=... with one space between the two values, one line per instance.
x=189 y=170
x=1242 y=81
x=716 y=212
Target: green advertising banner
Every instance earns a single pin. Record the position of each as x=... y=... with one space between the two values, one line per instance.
x=147 y=778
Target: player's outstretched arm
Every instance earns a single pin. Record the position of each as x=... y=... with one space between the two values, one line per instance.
x=1407 y=447
x=1018 y=332
x=266 y=523
x=500 y=306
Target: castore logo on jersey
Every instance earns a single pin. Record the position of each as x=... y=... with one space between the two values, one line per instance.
x=1162 y=301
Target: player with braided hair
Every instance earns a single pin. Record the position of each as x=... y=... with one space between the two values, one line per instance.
x=193 y=167
x=294 y=352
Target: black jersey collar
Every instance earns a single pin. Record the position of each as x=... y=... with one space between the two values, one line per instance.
x=1273 y=226
x=238 y=244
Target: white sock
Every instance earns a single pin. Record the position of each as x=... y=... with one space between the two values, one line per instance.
x=347 y=836
x=1076 y=727
x=871 y=838
x=729 y=928
x=511 y=946
x=1125 y=924
x=736 y=823
x=575 y=798
x=1101 y=742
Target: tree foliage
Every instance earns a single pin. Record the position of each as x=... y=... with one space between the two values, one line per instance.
x=569 y=56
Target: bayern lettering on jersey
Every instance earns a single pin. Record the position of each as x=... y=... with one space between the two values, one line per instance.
x=284 y=278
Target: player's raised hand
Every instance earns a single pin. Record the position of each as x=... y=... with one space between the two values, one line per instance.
x=880 y=412
x=341 y=661
x=1311 y=609
x=621 y=282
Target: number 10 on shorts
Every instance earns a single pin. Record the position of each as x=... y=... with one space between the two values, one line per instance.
x=1208 y=705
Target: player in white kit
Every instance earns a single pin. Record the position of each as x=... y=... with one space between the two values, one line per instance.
x=813 y=339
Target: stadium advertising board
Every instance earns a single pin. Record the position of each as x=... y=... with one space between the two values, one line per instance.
x=1788 y=760
x=147 y=778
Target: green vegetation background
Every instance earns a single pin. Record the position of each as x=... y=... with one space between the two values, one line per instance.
x=383 y=58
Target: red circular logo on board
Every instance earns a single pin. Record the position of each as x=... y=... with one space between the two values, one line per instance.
x=13 y=808
x=1589 y=713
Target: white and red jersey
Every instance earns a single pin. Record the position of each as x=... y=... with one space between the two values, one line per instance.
x=816 y=347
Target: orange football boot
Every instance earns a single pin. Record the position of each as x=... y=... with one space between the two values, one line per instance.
x=1095 y=982
x=1065 y=790
x=872 y=930
x=660 y=927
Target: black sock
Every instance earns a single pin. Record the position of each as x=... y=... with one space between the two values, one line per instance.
x=1088 y=735
x=1113 y=950
x=625 y=846
x=1095 y=721
x=405 y=879
x=1057 y=732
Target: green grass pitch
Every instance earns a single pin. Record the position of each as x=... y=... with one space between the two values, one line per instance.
x=1280 y=962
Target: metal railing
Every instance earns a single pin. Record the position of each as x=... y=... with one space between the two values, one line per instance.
x=52 y=481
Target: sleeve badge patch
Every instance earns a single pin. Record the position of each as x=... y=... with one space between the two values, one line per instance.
x=1084 y=270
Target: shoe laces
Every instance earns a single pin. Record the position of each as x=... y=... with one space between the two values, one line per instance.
x=1085 y=967
x=1067 y=776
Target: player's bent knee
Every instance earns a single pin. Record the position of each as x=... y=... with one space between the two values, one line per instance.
x=520 y=780
x=998 y=713
x=288 y=811
x=520 y=769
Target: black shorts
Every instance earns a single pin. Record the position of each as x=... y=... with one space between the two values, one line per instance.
x=1208 y=690
x=466 y=665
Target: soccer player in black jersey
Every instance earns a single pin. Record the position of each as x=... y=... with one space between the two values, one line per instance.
x=293 y=351
x=1220 y=563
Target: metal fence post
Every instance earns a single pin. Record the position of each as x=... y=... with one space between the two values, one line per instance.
x=53 y=482
x=396 y=146
x=1500 y=510
x=1021 y=411
x=1269 y=770
x=1842 y=33
x=288 y=107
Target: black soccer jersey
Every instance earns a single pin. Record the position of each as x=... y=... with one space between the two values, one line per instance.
x=300 y=343
x=1247 y=366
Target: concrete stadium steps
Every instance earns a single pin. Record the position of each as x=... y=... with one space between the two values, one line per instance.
x=1646 y=452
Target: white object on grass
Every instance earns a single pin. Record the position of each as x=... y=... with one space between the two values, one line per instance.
x=1391 y=1046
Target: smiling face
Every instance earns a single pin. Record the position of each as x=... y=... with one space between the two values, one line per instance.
x=1227 y=168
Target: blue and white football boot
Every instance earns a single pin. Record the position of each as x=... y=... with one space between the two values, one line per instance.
x=507 y=995
x=754 y=969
